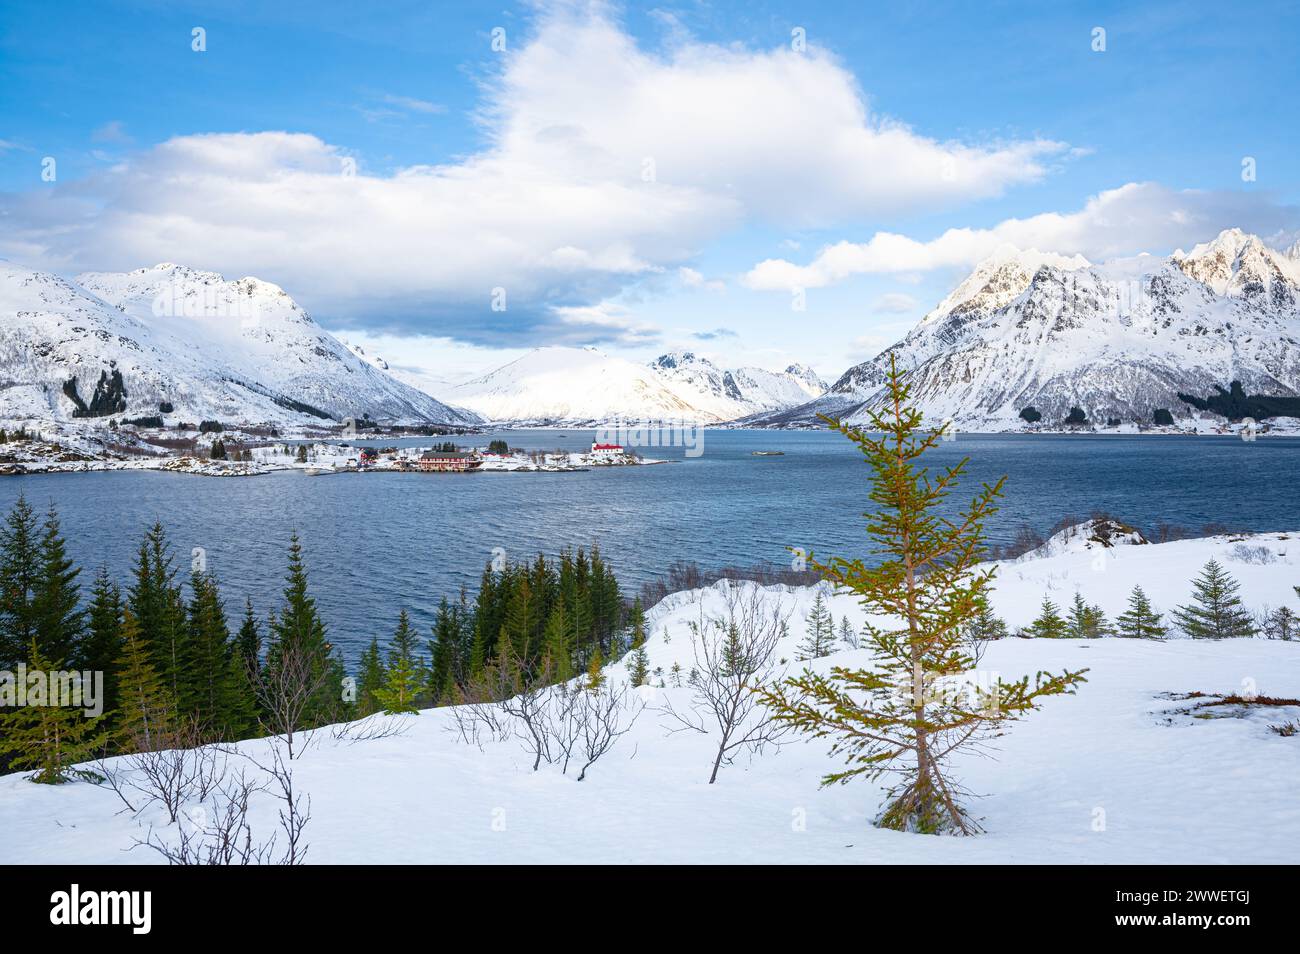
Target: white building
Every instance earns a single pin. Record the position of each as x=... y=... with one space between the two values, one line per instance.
x=606 y=450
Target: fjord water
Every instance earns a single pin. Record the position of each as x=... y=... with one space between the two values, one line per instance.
x=378 y=542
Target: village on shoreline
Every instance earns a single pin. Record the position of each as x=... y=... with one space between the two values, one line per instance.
x=254 y=452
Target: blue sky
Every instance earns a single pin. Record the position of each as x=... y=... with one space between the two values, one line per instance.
x=524 y=169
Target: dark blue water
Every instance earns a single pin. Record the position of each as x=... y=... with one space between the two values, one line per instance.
x=377 y=542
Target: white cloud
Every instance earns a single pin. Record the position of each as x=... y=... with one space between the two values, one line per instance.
x=1133 y=218
x=605 y=164
x=691 y=278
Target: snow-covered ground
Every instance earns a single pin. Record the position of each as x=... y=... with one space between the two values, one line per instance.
x=1116 y=773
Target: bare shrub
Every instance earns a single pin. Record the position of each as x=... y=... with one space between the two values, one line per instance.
x=735 y=655
x=682 y=576
x=288 y=691
x=601 y=716
x=223 y=838
x=368 y=729
x=1026 y=539
x=1256 y=555
x=215 y=829
x=524 y=697
x=173 y=771
x=476 y=714
x=1168 y=533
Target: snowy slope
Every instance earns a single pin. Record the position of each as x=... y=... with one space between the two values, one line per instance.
x=561 y=384
x=574 y=384
x=1168 y=788
x=422 y=379
x=1118 y=340
x=236 y=351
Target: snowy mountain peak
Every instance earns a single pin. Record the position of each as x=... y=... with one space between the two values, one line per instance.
x=1237 y=263
x=172 y=340
x=681 y=359
x=808 y=378
x=1001 y=278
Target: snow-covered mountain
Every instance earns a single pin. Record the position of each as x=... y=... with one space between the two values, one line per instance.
x=732 y=394
x=1118 y=340
x=573 y=384
x=584 y=384
x=135 y=344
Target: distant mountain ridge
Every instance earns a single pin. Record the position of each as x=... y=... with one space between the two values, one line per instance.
x=561 y=385
x=1117 y=340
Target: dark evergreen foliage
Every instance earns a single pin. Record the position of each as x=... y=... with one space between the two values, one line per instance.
x=1235 y=403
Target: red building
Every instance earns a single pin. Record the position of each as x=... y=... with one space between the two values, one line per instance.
x=440 y=462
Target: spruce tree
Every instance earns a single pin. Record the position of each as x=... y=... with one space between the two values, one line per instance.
x=102 y=644
x=1049 y=624
x=986 y=625
x=47 y=736
x=371 y=679
x=1216 y=612
x=891 y=718
x=146 y=717
x=405 y=671
x=298 y=633
x=1140 y=620
x=249 y=639
x=56 y=596
x=159 y=608
x=847 y=635
x=639 y=669
x=1086 y=621
x=559 y=643
x=595 y=670
x=820 y=638
x=442 y=650
x=19 y=578
x=1281 y=624
x=521 y=617
x=216 y=690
